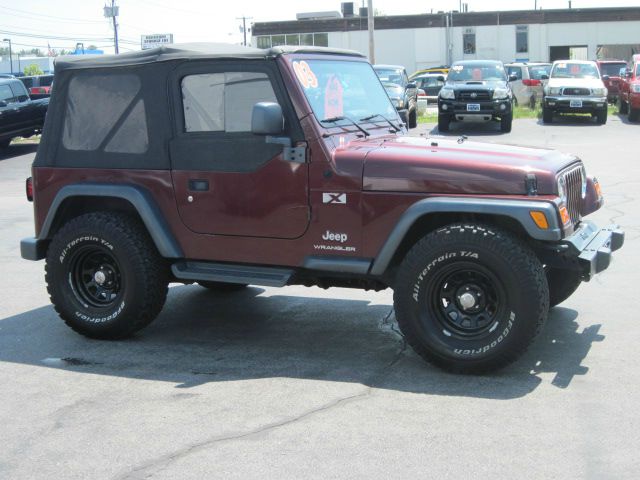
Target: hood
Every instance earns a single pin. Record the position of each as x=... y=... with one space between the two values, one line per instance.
x=444 y=166
x=475 y=84
x=575 y=82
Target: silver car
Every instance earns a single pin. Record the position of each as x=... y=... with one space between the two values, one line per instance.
x=528 y=85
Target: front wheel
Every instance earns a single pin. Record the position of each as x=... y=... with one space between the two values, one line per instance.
x=470 y=298
x=634 y=114
x=443 y=122
x=506 y=122
x=601 y=116
x=547 y=115
x=413 y=118
x=104 y=275
x=623 y=107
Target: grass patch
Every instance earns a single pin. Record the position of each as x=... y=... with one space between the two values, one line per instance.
x=518 y=112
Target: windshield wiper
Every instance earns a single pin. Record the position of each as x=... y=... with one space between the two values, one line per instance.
x=371 y=117
x=337 y=119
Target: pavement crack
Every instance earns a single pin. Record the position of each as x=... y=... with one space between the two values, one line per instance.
x=149 y=469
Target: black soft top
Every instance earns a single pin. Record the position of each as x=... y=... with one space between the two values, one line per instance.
x=188 y=51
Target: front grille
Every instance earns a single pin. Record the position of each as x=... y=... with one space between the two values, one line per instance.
x=573 y=182
x=576 y=91
x=471 y=95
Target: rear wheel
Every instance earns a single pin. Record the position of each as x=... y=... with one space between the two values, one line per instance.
x=470 y=298
x=547 y=115
x=601 y=116
x=443 y=122
x=532 y=102
x=104 y=275
x=562 y=284
x=505 y=123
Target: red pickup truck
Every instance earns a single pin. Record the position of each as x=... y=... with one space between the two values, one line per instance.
x=629 y=99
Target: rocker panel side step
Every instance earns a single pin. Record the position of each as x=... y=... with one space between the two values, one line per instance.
x=221 y=272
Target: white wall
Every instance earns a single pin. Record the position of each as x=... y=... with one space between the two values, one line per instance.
x=426 y=47
x=45 y=64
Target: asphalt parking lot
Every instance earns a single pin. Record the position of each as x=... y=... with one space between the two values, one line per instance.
x=309 y=383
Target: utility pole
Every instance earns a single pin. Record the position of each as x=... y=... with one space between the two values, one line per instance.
x=244 y=28
x=8 y=40
x=112 y=12
x=372 y=55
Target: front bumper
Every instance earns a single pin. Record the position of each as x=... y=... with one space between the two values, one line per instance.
x=591 y=247
x=489 y=109
x=33 y=248
x=562 y=104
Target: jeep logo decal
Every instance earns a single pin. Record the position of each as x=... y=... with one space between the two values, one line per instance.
x=337 y=237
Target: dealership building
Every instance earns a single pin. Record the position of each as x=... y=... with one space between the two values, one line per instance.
x=425 y=40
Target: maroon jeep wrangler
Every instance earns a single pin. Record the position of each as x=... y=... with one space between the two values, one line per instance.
x=230 y=166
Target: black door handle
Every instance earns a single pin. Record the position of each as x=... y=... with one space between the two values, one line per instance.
x=198 y=185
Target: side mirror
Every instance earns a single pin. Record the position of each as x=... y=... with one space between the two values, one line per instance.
x=544 y=76
x=267 y=119
x=411 y=86
x=513 y=77
x=605 y=77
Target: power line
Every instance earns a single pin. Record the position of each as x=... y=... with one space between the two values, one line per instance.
x=68 y=19
x=54 y=37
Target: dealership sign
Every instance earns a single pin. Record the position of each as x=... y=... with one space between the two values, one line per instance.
x=156 y=40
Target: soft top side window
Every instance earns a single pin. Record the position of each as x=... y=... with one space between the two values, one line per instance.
x=105 y=112
x=223 y=102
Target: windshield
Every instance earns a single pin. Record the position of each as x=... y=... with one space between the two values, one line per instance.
x=574 y=70
x=612 y=69
x=535 y=72
x=337 y=88
x=476 y=72
x=388 y=75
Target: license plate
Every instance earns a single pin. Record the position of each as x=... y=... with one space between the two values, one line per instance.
x=473 y=107
x=575 y=103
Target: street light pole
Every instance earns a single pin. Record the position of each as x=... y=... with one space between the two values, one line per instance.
x=372 y=55
x=8 y=40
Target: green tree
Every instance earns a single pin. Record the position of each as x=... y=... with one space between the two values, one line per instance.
x=33 y=69
x=92 y=47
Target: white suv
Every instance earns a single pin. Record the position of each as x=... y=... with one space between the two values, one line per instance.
x=575 y=86
x=528 y=83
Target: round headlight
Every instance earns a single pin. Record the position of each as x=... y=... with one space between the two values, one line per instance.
x=562 y=189
x=583 y=191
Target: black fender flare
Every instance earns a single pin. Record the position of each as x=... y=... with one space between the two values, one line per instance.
x=517 y=210
x=138 y=197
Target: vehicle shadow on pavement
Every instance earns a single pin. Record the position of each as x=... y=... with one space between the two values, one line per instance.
x=571 y=121
x=16 y=150
x=625 y=119
x=457 y=129
x=203 y=337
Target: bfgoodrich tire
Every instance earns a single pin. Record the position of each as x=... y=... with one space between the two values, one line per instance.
x=470 y=298
x=562 y=284
x=104 y=275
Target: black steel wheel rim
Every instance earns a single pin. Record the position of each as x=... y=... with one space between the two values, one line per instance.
x=467 y=300
x=95 y=276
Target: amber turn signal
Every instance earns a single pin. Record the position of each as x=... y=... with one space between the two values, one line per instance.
x=540 y=219
x=564 y=215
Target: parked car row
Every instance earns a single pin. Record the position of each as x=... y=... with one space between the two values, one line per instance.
x=20 y=116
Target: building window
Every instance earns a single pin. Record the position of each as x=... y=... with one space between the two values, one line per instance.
x=317 y=39
x=293 y=39
x=522 y=39
x=321 y=39
x=264 y=42
x=469 y=42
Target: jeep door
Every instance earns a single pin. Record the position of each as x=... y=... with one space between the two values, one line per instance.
x=228 y=181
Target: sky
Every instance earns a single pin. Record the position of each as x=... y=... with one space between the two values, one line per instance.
x=63 y=23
